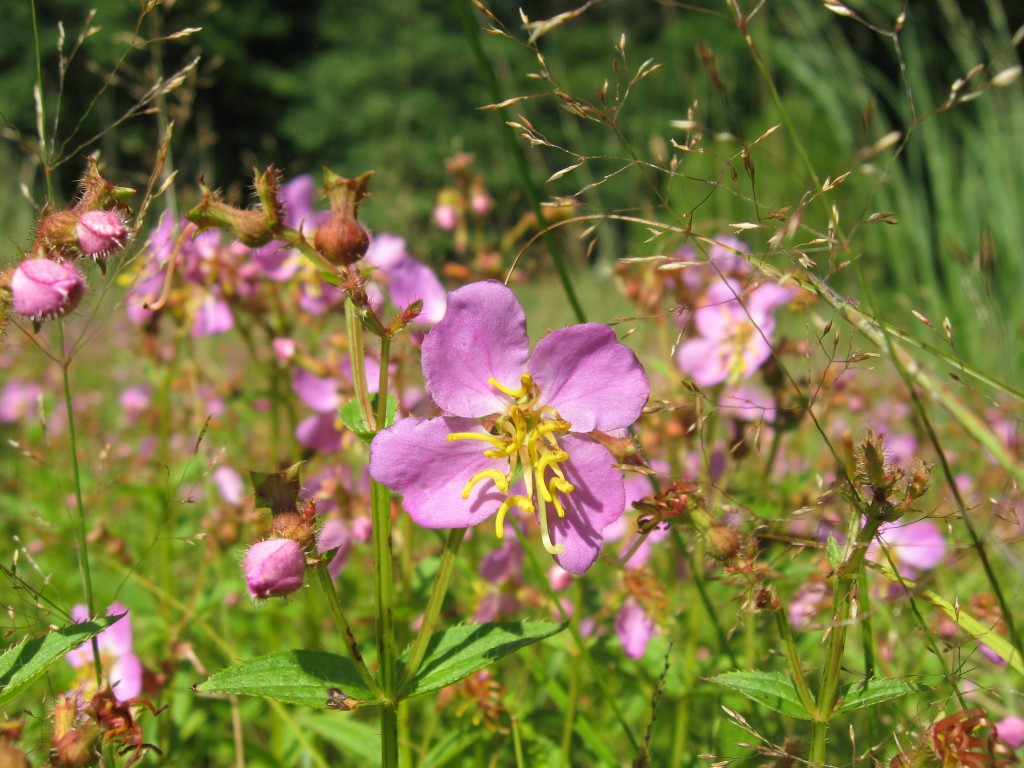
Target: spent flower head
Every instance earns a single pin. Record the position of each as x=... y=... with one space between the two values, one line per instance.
x=509 y=412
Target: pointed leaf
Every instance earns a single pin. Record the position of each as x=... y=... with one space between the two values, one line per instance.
x=458 y=652
x=277 y=491
x=352 y=416
x=294 y=677
x=861 y=695
x=22 y=664
x=773 y=689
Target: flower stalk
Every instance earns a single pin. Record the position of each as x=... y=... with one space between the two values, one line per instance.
x=434 y=603
x=330 y=594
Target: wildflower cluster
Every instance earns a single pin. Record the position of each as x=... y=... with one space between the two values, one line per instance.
x=46 y=283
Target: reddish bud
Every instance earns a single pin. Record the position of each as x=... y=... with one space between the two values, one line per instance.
x=274 y=567
x=41 y=288
x=342 y=240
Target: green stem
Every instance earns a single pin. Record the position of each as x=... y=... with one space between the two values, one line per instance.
x=568 y=721
x=469 y=27
x=847 y=576
x=789 y=648
x=80 y=533
x=384 y=600
x=331 y=595
x=357 y=356
x=433 y=611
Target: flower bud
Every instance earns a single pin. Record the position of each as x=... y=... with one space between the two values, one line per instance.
x=100 y=233
x=41 y=288
x=342 y=240
x=723 y=542
x=274 y=567
x=250 y=227
x=77 y=748
x=12 y=757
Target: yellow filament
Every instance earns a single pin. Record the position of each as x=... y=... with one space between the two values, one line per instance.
x=545 y=537
x=547 y=427
x=526 y=385
x=497 y=442
x=499 y=520
x=499 y=478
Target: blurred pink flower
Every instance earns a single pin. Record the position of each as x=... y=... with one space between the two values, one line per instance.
x=734 y=333
x=634 y=628
x=408 y=279
x=1011 y=730
x=19 y=401
x=121 y=667
x=446 y=217
x=915 y=546
x=230 y=485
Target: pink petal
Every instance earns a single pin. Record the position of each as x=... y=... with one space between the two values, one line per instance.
x=634 y=628
x=319 y=433
x=117 y=639
x=596 y=502
x=318 y=392
x=482 y=335
x=593 y=380
x=415 y=459
x=125 y=676
x=706 y=361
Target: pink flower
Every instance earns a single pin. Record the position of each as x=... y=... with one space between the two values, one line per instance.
x=334 y=537
x=446 y=217
x=19 y=401
x=274 y=567
x=505 y=409
x=230 y=485
x=100 y=233
x=408 y=279
x=1011 y=730
x=634 y=628
x=121 y=666
x=734 y=333
x=917 y=546
x=41 y=288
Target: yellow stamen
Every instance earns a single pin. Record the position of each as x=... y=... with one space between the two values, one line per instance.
x=547 y=427
x=497 y=442
x=545 y=537
x=559 y=485
x=499 y=520
x=499 y=478
x=527 y=384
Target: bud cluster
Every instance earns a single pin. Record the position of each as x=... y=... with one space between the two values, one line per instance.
x=890 y=491
x=46 y=283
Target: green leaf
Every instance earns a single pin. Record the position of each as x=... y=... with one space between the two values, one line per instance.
x=983 y=634
x=458 y=652
x=834 y=552
x=352 y=416
x=26 y=661
x=277 y=491
x=773 y=689
x=861 y=695
x=294 y=677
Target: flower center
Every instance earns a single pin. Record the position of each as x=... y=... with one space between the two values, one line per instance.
x=527 y=436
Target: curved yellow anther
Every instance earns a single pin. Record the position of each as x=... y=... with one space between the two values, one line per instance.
x=499 y=520
x=524 y=389
x=551 y=457
x=548 y=427
x=556 y=486
x=499 y=478
x=497 y=442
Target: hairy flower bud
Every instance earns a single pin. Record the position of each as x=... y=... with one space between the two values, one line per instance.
x=250 y=227
x=342 y=240
x=77 y=748
x=100 y=233
x=41 y=288
x=274 y=567
x=723 y=542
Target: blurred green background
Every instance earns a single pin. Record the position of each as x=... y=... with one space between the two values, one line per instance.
x=395 y=88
